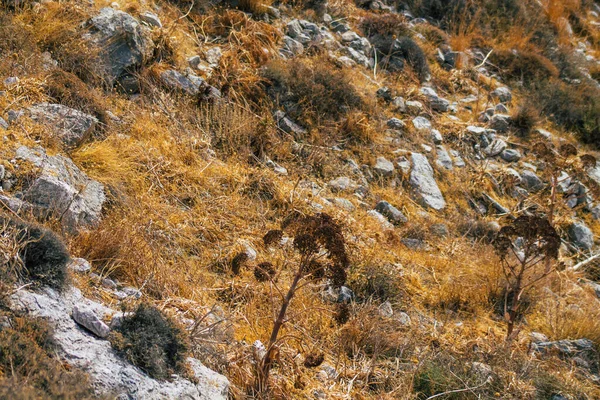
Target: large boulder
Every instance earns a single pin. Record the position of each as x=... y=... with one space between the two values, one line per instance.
x=63 y=189
x=423 y=183
x=125 y=43
x=71 y=126
x=111 y=375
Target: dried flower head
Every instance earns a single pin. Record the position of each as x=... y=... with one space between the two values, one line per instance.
x=543 y=151
x=315 y=269
x=272 y=237
x=238 y=261
x=567 y=150
x=588 y=161
x=536 y=233
x=342 y=313
x=314 y=360
x=264 y=271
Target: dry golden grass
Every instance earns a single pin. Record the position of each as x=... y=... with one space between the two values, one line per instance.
x=177 y=215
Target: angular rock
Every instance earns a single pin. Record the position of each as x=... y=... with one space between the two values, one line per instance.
x=3 y=124
x=497 y=206
x=278 y=169
x=404 y=319
x=500 y=122
x=14 y=115
x=79 y=265
x=436 y=136
x=395 y=123
x=343 y=203
x=544 y=133
x=385 y=309
x=194 y=61
x=496 y=147
x=422 y=124
x=287 y=125
x=344 y=61
x=399 y=104
x=176 y=81
x=70 y=125
x=569 y=348
x=381 y=219
x=341 y=184
x=435 y=102
x=357 y=56
x=393 y=215
x=213 y=56
x=513 y=175
x=63 y=189
x=424 y=184
x=531 y=182
x=510 y=155
x=414 y=244
x=291 y=47
x=443 y=159
x=124 y=42
x=477 y=130
x=581 y=236
x=111 y=376
x=385 y=94
x=503 y=94
x=344 y=295
x=537 y=337
x=481 y=371
x=414 y=106
x=501 y=109
x=383 y=167
x=350 y=36
x=151 y=19
x=458 y=160
x=440 y=230
x=294 y=29
x=594 y=174
x=90 y=321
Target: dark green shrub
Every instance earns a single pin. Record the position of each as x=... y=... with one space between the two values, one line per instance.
x=528 y=67
x=414 y=56
x=575 y=108
x=67 y=89
x=393 y=54
x=434 y=378
x=42 y=252
x=152 y=342
x=378 y=282
x=547 y=386
x=312 y=93
x=445 y=373
x=452 y=15
x=524 y=120
x=32 y=371
x=384 y=24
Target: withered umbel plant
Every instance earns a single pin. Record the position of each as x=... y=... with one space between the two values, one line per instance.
x=320 y=244
x=527 y=248
x=564 y=164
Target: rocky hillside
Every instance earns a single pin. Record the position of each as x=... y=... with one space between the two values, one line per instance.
x=353 y=199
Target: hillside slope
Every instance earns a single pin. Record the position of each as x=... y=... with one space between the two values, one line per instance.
x=425 y=172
